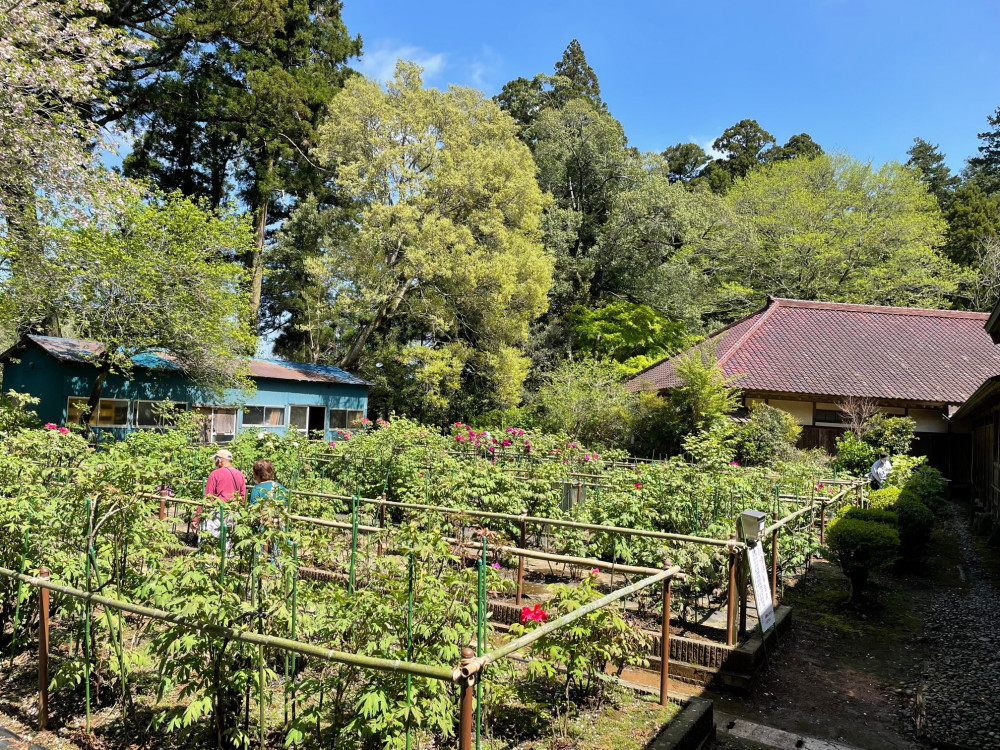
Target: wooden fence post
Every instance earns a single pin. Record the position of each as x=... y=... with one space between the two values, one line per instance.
x=774 y=564
x=731 y=610
x=465 y=705
x=43 y=653
x=665 y=645
x=822 y=523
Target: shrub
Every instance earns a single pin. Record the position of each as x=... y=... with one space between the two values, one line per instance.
x=860 y=547
x=769 y=435
x=870 y=514
x=903 y=468
x=884 y=499
x=916 y=522
x=854 y=455
x=927 y=485
x=892 y=434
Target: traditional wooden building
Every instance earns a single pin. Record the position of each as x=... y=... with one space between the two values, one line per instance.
x=809 y=358
x=980 y=415
x=289 y=396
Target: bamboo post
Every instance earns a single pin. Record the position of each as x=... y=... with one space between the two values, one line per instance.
x=822 y=523
x=163 y=505
x=381 y=522
x=774 y=563
x=665 y=645
x=741 y=572
x=731 y=611
x=43 y=653
x=520 y=562
x=465 y=704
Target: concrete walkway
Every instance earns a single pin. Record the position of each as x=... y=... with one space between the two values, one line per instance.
x=732 y=726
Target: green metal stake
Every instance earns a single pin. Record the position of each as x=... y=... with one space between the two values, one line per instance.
x=86 y=641
x=354 y=540
x=222 y=543
x=17 y=605
x=295 y=588
x=480 y=638
x=113 y=633
x=409 y=645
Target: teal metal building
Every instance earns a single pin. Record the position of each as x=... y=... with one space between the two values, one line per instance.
x=289 y=396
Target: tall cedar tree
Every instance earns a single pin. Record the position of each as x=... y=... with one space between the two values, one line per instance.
x=985 y=168
x=934 y=172
x=226 y=103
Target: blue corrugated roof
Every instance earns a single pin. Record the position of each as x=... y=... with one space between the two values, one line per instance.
x=83 y=351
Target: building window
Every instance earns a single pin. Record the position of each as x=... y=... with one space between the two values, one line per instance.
x=146 y=412
x=829 y=416
x=218 y=423
x=263 y=416
x=341 y=419
x=307 y=419
x=110 y=412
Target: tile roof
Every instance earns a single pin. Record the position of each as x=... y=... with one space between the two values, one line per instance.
x=82 y=351
x=836 y=349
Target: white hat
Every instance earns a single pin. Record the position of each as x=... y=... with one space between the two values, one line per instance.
x=223 y=455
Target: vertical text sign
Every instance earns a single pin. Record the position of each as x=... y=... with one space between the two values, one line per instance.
x=761 y=588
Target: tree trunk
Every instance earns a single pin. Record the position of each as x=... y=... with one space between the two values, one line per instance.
x=94 y=402
x=385 y=311
x=257 y=262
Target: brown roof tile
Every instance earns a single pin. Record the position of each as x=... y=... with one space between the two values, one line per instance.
x=835 y=349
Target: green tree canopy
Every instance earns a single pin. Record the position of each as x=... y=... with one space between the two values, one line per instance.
x=157 y=274
x=226 y=104
x=684 y=160
x=973 y=216
x=836 y=229
x=633 y=335
x=587 y=400
x=445 y=265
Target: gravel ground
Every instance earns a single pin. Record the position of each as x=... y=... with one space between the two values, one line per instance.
x=957 y=698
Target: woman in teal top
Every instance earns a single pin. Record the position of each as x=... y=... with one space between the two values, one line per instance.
x=264 y=484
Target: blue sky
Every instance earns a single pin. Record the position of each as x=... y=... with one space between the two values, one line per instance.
x=860 y=77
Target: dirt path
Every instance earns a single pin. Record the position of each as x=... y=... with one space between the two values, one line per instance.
x=854 y=675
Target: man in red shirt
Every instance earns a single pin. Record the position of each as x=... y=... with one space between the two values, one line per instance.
x=225 y=481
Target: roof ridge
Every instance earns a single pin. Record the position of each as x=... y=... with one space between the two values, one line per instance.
x=772 y=305
x=879 y=309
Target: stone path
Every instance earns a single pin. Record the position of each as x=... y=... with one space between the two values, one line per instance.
x=957 y=698
x=741 y=729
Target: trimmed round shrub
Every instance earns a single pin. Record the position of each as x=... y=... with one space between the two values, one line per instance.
x=860 y=547
x=883 y=499
x=928 y=486
x=870 y=514
x=916 y=521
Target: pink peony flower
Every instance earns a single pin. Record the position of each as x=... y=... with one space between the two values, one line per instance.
x=64 y=430
x=638 y=485
x=536 y=614
x=733 y=463
x=594 y=571
x=495 y=566
x=50 y=426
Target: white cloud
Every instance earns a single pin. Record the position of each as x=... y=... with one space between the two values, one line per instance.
x=706 y=144
x=379 y=59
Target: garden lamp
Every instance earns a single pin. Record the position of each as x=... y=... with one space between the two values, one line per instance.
x=752 y=524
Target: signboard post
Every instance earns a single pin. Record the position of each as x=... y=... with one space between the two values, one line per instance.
x=761 y=589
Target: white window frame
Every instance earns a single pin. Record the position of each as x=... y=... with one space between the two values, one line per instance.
x=85 y=399
x=347 y=421
x=265 y=407
x=307 y=407
x=213 y=412
x=137 y=405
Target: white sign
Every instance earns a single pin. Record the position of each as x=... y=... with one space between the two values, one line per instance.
x=761 y=587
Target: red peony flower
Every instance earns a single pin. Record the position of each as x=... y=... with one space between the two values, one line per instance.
x=536 y=614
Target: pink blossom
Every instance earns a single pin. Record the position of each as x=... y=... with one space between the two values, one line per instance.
x=50 y=426
x=733 y=463
x=495 y=566
x=594 y=571
x=64 y=430
x=638 y=485
x=505 y=442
